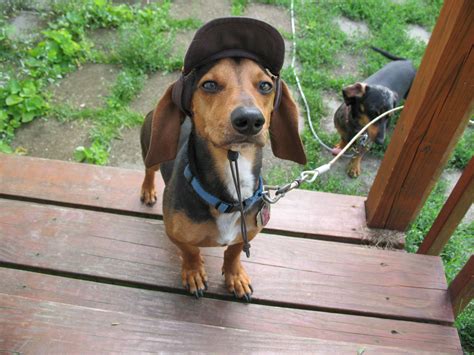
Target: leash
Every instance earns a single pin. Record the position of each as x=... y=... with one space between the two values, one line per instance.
x=300 y=88
x=234 y=168
x=311 y=175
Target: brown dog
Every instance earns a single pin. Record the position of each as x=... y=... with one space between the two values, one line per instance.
x=234 y=103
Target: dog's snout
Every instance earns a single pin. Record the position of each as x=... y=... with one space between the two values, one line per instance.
x=247 y=120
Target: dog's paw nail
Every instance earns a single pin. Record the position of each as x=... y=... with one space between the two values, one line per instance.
x=196 y=294
x=206 y=287
x=248 y=297
x=251 y=289
x=235 y=294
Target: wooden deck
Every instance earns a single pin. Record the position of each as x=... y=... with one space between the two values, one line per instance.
x=84 y=267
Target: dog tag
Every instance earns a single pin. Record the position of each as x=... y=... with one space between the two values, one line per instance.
x=263 y=215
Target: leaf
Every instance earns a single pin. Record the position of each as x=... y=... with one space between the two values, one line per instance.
x=34 y=103
x=14 y=86
x=27 y=117
x=3 y=116
x=80 y=154
x=5 y=148
x=13 y=100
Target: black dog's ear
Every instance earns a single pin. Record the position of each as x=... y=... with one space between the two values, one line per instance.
x=284 y=136
x=165 y=129
x=351 y=92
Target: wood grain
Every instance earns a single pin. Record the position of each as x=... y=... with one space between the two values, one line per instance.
x=34 y=326
x=285 y=271
x=301 y=213
x=252 y=318
x=453 y=211
x=435 y=114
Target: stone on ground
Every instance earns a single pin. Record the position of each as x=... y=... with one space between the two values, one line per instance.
x=152 y=91
x=418 y=33
x=26 y=25
x=331 y=103
x=125 y=151
x=203 y=10
x=87 y=87
x=51 y=138
x=352 y=28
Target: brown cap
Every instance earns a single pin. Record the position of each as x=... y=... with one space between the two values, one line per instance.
x=236 y=37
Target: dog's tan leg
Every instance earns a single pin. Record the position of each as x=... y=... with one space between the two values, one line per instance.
x=193 y=274
x=353 y=168
x=148 y=193
x=236 y=278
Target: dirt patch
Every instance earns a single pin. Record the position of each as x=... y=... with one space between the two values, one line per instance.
x=418 y=33
x=125 y=151
x=331 y=102
x=26 y=26
x=153 y=89
x=352 y=28
x=52 y=139
x=86 y=87
x=203 y=10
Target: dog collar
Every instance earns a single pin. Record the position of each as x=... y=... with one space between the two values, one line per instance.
x=221 y=206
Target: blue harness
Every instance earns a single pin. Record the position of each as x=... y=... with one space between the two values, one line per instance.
x=222 y=206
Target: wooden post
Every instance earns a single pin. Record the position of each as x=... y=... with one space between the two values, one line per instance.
x=461 y=288
x=435 y=115
x=453 y=211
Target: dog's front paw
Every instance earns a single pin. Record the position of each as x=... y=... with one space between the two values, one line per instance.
x=194 y=279
x=353 y=169
x=238 y=282
x=148 y=195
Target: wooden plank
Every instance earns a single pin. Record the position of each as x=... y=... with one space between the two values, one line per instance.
x=33 y=326
x=435 y=115
x=461 y=288
x=451 y=214
x=301 y=213
x=252 y=317
x=299 y=272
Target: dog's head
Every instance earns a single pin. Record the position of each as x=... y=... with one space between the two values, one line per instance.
x=231 y=89
x=367 y=102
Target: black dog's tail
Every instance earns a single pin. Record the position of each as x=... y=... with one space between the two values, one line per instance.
x=386 y=54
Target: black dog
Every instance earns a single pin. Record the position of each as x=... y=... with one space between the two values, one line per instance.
x=364 y=101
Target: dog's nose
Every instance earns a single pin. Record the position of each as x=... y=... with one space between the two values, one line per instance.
x=247 y=120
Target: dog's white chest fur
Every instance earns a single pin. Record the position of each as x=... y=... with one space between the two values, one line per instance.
x=229 y=223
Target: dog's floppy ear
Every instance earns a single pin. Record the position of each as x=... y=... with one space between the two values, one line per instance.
x=285 y=139
x=165 y=128
x=351 y=92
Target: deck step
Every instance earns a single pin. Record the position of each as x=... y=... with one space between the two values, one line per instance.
x=295 y=272
x=44 y=313
x=301 y=213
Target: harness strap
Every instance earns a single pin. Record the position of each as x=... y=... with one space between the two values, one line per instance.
x=221 y=206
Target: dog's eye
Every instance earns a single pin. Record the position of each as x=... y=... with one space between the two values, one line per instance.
x=265 y=87
x=210 y=86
